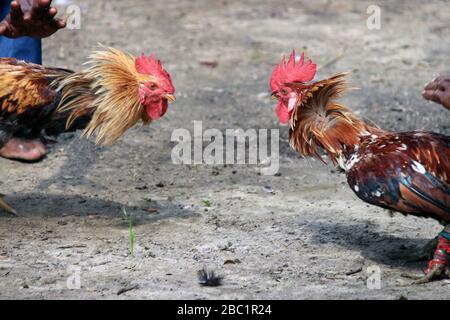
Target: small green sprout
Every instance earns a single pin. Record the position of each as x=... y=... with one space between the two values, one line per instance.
x=206 y=203
x=129 y=217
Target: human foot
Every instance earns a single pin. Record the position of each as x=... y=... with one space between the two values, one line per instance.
x=24 y=150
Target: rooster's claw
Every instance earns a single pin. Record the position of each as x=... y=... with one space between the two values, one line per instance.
x=438 y=271
x=6 y=207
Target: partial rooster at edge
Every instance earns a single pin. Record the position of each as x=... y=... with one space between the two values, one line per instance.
x=407 y=172
x=115 y=92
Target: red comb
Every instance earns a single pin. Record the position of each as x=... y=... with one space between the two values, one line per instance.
x=152 y=67
x=148 y=65
x=292 y=72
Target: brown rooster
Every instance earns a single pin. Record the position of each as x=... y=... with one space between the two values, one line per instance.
x=407 y=172
x=108 y=98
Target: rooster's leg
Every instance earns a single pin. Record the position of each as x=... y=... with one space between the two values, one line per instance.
x=430 y=247
x=427 y=252
x=5 y=206
x=438 y=265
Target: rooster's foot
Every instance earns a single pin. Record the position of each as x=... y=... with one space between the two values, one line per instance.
x=6 y=207
x=438 y=266
x=438 y=271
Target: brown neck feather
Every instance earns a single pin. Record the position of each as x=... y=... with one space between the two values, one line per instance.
x=322 y=123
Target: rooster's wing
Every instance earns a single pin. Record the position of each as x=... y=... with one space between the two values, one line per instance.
x=406 y=172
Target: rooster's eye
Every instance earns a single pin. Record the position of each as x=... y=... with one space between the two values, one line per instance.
x=284 y=91
x=153 y=86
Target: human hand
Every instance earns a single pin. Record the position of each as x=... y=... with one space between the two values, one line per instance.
x=33 y=18
x=438 y=91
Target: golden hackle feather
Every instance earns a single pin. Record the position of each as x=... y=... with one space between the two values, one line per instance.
x=322 y=123
x=107 y=89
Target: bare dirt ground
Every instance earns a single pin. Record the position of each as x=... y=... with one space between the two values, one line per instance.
x=311 y=239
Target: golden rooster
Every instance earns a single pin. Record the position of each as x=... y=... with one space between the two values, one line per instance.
x=108 y=98
x=407 y=172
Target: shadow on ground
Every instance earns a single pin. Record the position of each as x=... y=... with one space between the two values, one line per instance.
x=48 y=205
x=375 y=245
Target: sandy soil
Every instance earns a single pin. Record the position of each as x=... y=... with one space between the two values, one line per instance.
x=312 y=238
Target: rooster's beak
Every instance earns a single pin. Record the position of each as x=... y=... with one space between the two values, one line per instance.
x=273 y=96
x=170 y=97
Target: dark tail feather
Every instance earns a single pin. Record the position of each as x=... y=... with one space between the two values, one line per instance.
x=74 y=95
x=59 y=122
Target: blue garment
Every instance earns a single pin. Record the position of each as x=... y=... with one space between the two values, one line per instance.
x=24 y=48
